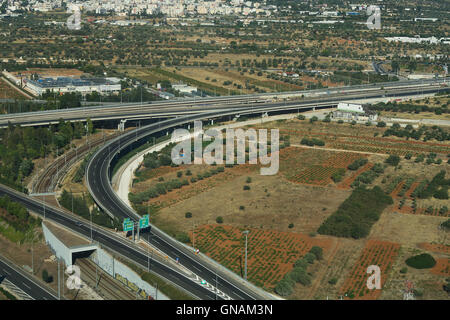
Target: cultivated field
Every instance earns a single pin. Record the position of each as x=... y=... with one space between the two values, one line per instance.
x=284 y=211
x=271 y=254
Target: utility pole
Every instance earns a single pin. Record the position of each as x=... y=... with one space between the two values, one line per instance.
x=215 y=291
x=193 y=235
x=91 y=227
x=245 y=270
x=44 y=207
x=59 y=286
x=32 y=254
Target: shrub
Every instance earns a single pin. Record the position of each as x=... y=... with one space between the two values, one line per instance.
x=301 y=117
x=179 y=174
x=188 y=214
x=338 y=175
x=246 y=187
x=300 y=275
x=304 y=278
x=442 y=193
x=421 y=261
x=332 y=281
x=46 y=277
x=446 y=224
x=301 y=263
x=393 y=160
x=404 y=270
x=219 y=219
x=317 y=251
x=309 y=257
x=291 y=225
x=358 y=163
x=284 y=287
x=313 y=119
x=249 y=180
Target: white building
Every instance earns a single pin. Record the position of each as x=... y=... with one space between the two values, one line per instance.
x=350 y=111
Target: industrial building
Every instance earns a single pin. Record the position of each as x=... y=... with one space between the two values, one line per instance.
x=66 y=84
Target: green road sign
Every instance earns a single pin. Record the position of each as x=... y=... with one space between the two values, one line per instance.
x=144 y=222
x=128 y=225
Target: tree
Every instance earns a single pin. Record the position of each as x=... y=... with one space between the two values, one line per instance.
x=309 y=257
x=393 y=160
x=284 y=287
x=317 y=251
x=89 y=126
x=219 y=219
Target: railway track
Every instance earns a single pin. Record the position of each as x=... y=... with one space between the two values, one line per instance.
x=110 y=288
x=48 y=180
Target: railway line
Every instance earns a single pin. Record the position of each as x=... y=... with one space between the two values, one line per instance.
x=111 y=289
x=49 y=178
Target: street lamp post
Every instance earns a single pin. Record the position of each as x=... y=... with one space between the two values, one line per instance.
x=245 y=268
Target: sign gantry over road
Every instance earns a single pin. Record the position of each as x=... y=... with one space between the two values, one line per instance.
x=128 y=225
x=144 y=222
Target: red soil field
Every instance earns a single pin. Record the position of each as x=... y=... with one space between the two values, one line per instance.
x=442 y=267
x=397 y=189
x=271 y=254
x=439 y=248
x=380 y=253
x=347 y=182
x=313 y=166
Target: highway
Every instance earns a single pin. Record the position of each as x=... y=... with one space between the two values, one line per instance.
x=185 y=107
x=111 y=241
x=23 y=281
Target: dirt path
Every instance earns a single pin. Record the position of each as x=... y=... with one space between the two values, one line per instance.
x=322 y=273
x=340 y=150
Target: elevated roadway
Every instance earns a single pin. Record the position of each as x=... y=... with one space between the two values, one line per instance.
x=186 y=107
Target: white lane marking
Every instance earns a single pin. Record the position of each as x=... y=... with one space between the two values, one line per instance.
x=26 y=285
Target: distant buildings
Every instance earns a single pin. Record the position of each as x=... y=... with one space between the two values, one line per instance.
x=418 y=39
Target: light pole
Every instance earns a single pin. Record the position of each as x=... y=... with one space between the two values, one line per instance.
x=91 y=226
x=32 y=253
x=44 y=206
x=245 y=268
